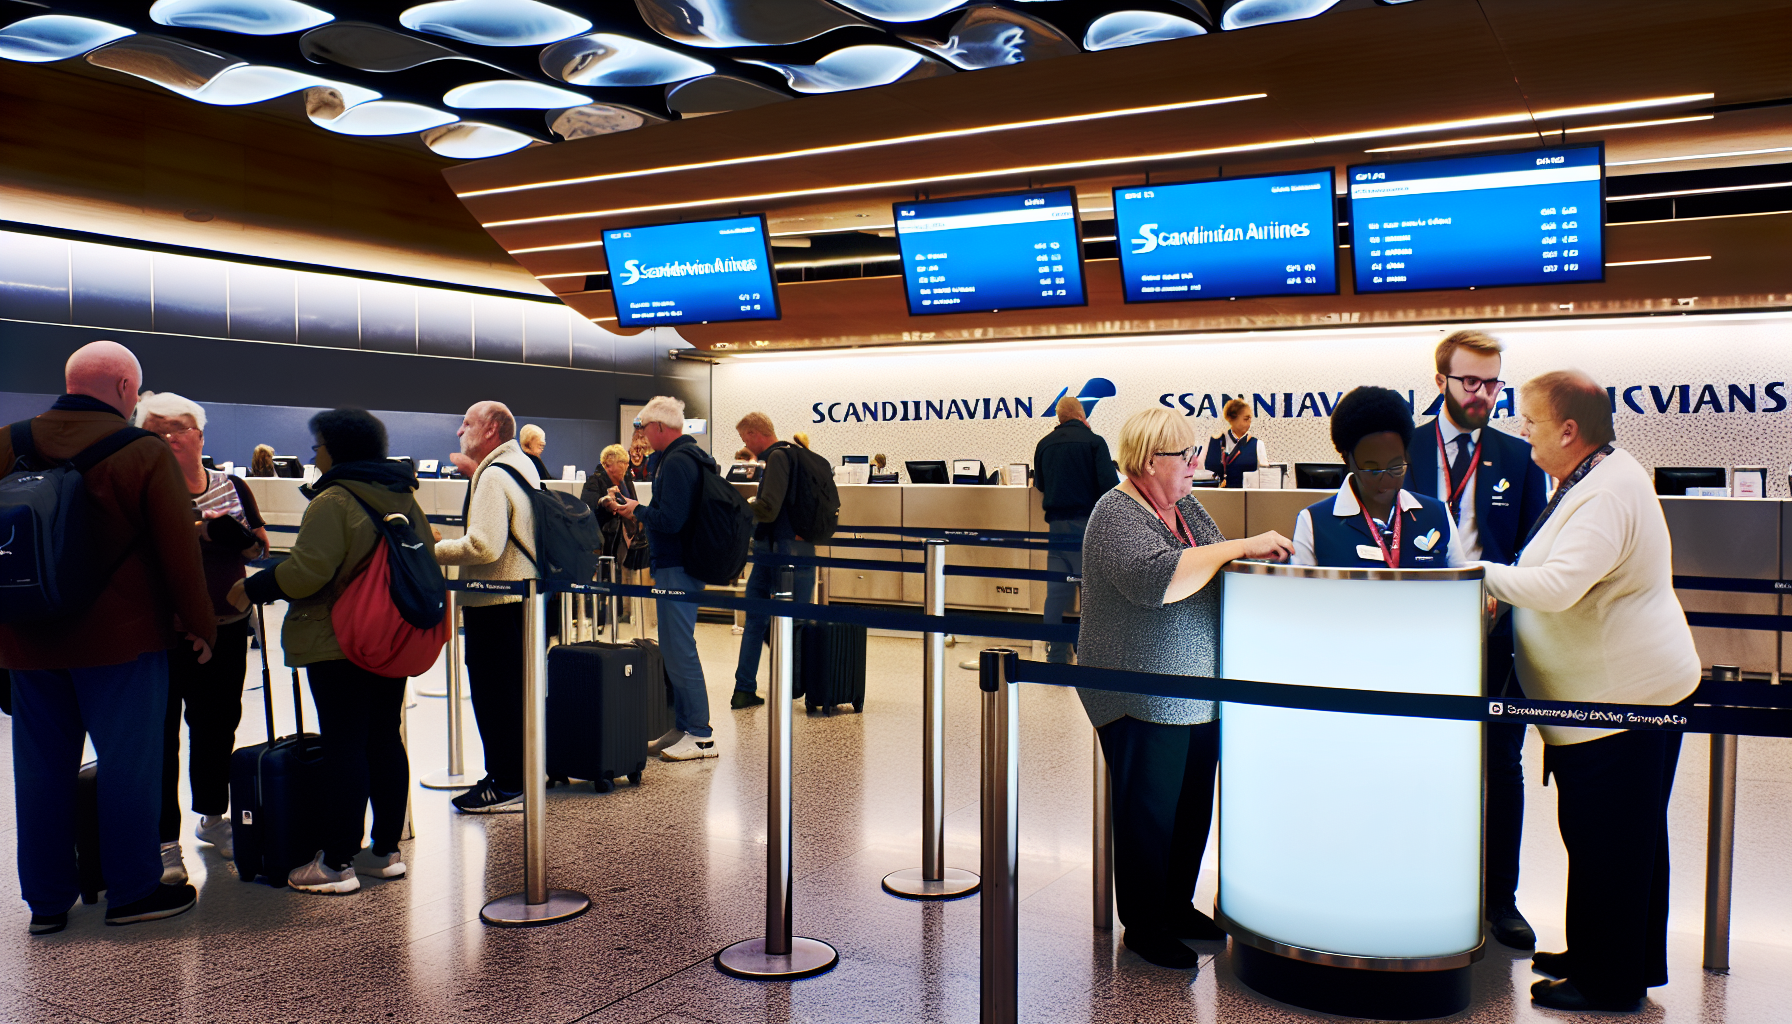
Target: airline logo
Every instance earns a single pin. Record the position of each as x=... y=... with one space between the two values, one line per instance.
x=634 y=270
x=1149 y=238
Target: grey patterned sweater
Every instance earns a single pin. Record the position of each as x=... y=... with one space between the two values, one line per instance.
x=1129 y=558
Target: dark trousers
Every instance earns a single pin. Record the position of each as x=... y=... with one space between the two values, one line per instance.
x=53 y=711
x=1060 y=594
x=494 y=646
x=1504 y=751
x=762 y=582
x=1612 y=806
x=213 y=695
x=364 y=758
x=1163 y=806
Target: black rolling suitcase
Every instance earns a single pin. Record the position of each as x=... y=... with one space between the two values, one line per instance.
x=660 y=717
x=274 y=790
x=829 y=667
x=597 y=713
x=88 y=872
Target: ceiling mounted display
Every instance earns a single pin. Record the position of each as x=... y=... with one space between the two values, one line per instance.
x=1018 y=250
x=707 y=271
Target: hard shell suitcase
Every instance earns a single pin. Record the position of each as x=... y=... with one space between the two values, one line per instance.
x=829 y=667
x=274 y=790
x=660 y=717
x=88 y=871
x=597 y=713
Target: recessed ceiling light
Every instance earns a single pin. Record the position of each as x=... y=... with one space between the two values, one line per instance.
x=1540 y=134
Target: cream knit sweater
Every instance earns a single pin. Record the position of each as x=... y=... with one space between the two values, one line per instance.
x=500 y=509
x=1594 y=612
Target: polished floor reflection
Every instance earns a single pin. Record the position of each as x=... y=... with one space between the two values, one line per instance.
x=675 y=869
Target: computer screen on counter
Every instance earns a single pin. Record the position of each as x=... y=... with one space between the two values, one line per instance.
x=1020 y=250
x=1228 y=238
x=927 y=472
x=705 y=271
x=1536 y=217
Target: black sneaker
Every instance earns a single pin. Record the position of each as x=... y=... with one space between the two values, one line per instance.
x=487 y=798
x=745 y=699
x=48 y=924
x=166 y=901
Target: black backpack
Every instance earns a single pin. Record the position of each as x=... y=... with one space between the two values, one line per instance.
x=46 y=566
x=567 y=535
x=813 y=499
x=719 y=530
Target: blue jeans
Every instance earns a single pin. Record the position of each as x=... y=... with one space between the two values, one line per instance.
x=678 y=647
x=762 y=582
x=121 y=707
x=1058 y=596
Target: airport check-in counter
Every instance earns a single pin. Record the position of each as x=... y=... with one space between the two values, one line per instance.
x=282 y=505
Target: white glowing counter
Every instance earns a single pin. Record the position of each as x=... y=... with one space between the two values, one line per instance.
x=1350 y=845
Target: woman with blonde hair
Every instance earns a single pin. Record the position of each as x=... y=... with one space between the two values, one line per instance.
x=261 y=463
x=1150 y=604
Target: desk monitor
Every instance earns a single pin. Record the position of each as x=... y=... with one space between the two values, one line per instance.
x=744 y=472
x=932 y=472
x=886 y=478
x=968 y=471
x=1319 y=476
x=1679 y=480
x=428 y=467
x=404 y=460
x=1019 y=250
x=288 y=465
x=704 y=271
x=206 y=461
x=855 y=460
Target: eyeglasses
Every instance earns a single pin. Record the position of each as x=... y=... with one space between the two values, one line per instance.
x=1473 y=384
x=172 y=434
x=315 y=447
x=1186 y=455
x=1396 y=471
x=638 y=424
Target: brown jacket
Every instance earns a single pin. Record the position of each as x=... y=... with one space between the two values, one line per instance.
x=141 y=519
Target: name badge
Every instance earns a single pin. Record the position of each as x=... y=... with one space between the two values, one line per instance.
x=1369 y=552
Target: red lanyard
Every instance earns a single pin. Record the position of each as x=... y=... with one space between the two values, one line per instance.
x=1454 y=488
x=1237 y=450
x=1178 y=529
x=1391 y=558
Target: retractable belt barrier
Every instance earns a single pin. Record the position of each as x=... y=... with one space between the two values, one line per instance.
x=874 y=565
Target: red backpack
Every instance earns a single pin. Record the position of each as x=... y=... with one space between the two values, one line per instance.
x=372 y=630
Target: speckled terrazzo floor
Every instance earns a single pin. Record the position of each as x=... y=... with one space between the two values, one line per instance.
x=676 y=869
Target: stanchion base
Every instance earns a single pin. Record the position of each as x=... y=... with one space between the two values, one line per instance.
x=515 y=910
x=440 y=779
x=1378 y=995
x=910 y=884
x=748 y=959
x=431 y=693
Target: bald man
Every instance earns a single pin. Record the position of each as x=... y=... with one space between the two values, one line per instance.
x=1072 y=469
x=102 y=670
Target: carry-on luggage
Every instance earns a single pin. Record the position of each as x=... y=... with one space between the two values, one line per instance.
x=829 y=666
x=88 y=872
x=597 y=713
x=274 y=790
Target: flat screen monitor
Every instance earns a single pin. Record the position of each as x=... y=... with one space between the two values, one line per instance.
x=1536 y=217
x=288 y=465
x=855 y=460
x=927 y=472
x=703 y=271
x=1228 y=238
x=1319 y=476
x=1019 y=250
x=1676 y=480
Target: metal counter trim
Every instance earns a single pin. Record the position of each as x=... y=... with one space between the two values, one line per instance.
x=1360 y=963
x=1325 y=572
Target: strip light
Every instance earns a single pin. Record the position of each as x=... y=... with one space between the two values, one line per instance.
x=1540 y=134
x=1698 y=156
x=1669 y=259
x=1107 y=161
x=557 y=248
x=899 y=140
x=1701 y=191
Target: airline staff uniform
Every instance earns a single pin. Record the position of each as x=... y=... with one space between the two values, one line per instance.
x=1230 y=458
x=1503 y=494
x=1335 y=532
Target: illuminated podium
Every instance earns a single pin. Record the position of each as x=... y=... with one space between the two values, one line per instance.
x=1350 y=845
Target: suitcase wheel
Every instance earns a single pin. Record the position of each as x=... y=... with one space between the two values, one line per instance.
x=603 y=785
x=634 y=777
x=859 y=708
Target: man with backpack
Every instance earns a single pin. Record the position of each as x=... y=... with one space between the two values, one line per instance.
x=87 y=635
x=500 y=529
x=796 y=506
x=678 y=466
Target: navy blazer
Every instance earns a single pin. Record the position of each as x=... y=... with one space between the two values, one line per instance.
x=1510 y=490
x=1425 y=533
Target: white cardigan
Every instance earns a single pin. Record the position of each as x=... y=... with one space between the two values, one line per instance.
x=1594 y=612
x=499 y=510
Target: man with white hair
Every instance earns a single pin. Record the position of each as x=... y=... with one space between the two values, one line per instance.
x=101 y=670
x=500 y=525
x=676 y=465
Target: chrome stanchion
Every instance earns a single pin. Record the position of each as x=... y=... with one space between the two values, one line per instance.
x=933 y=880
x=778 y=954
x=1720 y=840
x=536 y=904
x=1103 y=841
x=565 y=635
x=455 y=775
x=1000 y=974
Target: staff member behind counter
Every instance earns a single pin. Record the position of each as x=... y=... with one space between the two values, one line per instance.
x=1234 y=452
x=1150 y=555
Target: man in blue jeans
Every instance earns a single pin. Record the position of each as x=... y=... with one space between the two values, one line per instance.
x=774 y=535
x=676 y=464
x=1072 y=469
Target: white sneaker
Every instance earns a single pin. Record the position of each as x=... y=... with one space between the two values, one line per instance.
x=174 y=869
x=320 y=877
x=689 y=748
x=389 y=866
x=215 y=829
x=665 y=739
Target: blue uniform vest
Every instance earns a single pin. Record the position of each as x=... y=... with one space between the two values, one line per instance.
x=1424 y=536
x=1245 y=462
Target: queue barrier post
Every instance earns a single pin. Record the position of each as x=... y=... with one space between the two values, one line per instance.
x=999 y=980
x=1720 y=839
x=536 y=904
x=1103 y=841
x=455 y=775
x=778 y=954
x=933 y=880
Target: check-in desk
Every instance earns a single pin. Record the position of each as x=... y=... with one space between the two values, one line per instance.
x=1737 y=538
x=282 y=505
x=1350 y=845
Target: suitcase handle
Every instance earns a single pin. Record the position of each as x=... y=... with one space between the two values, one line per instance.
x=267 y=688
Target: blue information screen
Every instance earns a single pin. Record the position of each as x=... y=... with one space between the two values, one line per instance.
x=1228 y=238
x=1016 y=251
x=1513 y=218
x=706 y=271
